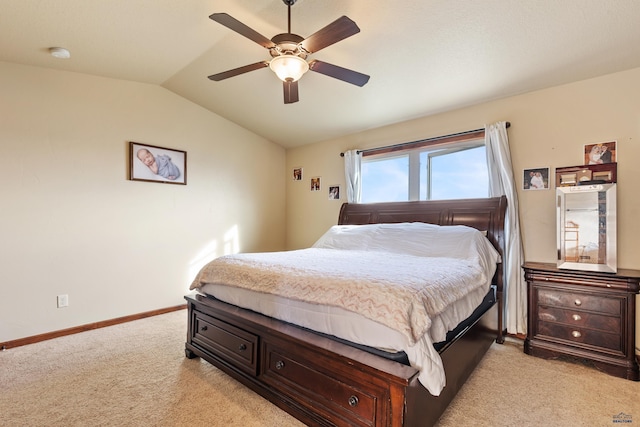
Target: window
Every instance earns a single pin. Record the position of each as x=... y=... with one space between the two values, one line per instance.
x=385 y=179
x=455 y=170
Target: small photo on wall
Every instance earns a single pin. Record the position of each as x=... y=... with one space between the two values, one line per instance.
x=315 y=183
x=297 y=174
x=536 y=179
x=334 y=192
x=602 y=152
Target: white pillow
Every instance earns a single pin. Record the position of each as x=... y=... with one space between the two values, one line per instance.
x=411 y=238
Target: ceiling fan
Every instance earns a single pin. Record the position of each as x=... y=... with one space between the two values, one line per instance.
x=289 y=52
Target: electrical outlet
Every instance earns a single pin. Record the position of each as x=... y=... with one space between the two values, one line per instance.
x=63 y=301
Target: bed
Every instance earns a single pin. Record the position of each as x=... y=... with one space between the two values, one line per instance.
x=327 y=377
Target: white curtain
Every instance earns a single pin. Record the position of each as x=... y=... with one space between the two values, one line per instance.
x=502 y=182
x=352 y=167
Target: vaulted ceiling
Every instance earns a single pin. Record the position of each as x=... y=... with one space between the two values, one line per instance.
x=423 y=56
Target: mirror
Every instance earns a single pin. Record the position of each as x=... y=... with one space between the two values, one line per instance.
x=586 y=219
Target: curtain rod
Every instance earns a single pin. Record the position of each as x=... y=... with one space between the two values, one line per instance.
x=435 y=138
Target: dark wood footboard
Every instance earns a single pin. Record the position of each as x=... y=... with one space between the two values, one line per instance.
x=318 y=380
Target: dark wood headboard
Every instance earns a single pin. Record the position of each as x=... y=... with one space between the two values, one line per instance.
x=487 y=215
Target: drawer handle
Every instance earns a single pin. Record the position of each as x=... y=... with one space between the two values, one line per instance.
x=576 y=317
x=242 y=347
x=279 y=364
x=578 y=302
x=353 y=401
x=576 y=334
x=203 y=328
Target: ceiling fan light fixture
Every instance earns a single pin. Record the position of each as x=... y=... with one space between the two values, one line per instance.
x=289 y=67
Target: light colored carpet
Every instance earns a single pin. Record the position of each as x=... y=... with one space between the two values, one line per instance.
x=136 y=374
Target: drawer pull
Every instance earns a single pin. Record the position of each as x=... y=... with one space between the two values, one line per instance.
x=353 y=401
x=576 y=317
x=203 y=328
x=578 y=302
x=242 y=347
x=576 y=334
x=279 y=364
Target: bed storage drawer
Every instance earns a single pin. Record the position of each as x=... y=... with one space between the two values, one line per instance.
x=236 y=345
x=342 y=399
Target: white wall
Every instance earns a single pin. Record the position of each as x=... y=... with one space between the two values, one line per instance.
x=549 y=129
x=72 y=223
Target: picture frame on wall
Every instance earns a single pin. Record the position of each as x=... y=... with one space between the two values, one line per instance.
x=600 y=153
x=297 y=174
x=334 y=192
x=536 y=179
x=157 y=164
x=315 y=183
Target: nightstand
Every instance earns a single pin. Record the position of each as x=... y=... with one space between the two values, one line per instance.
x=584 y=315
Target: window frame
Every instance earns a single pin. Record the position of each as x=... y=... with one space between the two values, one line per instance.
x=434 y=147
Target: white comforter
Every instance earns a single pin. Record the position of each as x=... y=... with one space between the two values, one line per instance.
x=402 y=292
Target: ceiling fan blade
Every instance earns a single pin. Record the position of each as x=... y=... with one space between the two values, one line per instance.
x=339 y=29
x=339 y=73
x=240 y=28
x=290 y=91
x=238 y=71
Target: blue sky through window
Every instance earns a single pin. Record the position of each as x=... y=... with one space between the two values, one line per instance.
x=458 y=175
x=385 y=180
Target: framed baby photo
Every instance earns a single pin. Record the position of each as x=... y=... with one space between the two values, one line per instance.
x=535 y=179
x=600 y=153
x=157 y=164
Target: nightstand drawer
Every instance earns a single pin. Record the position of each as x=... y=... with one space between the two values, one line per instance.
x=578 y=318
x=611 y=341
x=577 y=300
